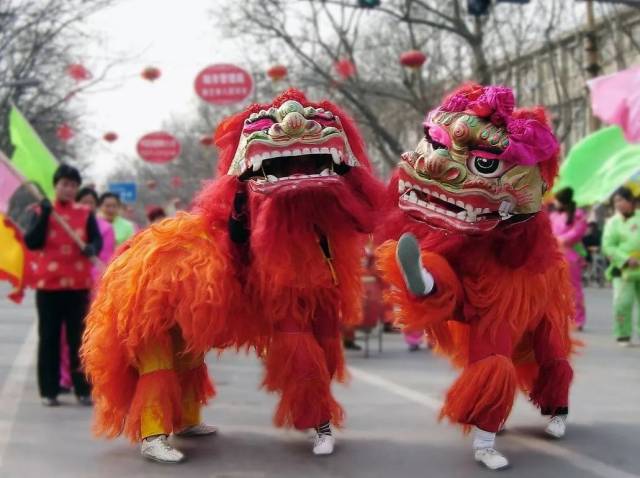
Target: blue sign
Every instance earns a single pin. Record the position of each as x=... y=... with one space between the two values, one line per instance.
x=127 y=191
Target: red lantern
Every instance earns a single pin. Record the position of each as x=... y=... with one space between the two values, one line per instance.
x=206 y=141
x=413 y=59
x=345 y=68
x=64 y=132
x=151 y=73
x=110 y=137
x=176 y=182
x=277 y=72
x=78 y=72
x=151 y=184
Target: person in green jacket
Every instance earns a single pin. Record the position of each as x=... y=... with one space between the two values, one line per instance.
x=621 y=244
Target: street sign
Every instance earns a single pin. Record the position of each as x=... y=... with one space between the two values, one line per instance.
x=158 y=147
x=127 y=191
x=223 y=84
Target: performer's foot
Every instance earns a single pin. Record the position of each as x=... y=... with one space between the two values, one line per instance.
x=557 y=426
x=624 y=341
x=351 y=345
x=199 y=430
x=491 y=458
x=418 y=280
x=389 y=328
x=323 y=444
x=157 y=448
x=50 y=402
x=84 y=400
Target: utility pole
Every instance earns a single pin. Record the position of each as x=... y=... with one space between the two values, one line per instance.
x=592 y=67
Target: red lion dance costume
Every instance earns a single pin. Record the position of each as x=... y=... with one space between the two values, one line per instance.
x=268 y=258
x=478 y=269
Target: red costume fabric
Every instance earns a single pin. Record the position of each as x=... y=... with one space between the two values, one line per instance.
x=502 y=305
x=60 y=264
x=269 y=258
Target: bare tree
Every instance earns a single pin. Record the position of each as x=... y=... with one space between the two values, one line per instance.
x=311 y=36
x=38 y=40
x=517 y=45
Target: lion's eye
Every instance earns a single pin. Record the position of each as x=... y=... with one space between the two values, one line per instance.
x=486 y=167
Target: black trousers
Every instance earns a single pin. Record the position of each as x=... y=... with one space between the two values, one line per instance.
x=54 y=309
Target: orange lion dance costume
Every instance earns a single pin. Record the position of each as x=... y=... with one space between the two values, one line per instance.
x=268 y=258
x=477 y=267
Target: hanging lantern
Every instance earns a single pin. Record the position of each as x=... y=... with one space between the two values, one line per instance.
x=64 y=132
x=345 y=68
x=206 y=141
x=176 y=182
x=78 y=72
x=413 y=59
x=151 y=184
x=151 y=73
x=110 y=137
x=277 y=72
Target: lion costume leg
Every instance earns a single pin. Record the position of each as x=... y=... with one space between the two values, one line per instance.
x=302 y=360
x=297 y=368
x=484 y=393
x=551 y=388
x=172 y=387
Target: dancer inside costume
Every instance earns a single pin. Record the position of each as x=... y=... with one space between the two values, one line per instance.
x=268 y=258
x=477 y=267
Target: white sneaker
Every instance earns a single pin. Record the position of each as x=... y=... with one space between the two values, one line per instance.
x=408 y=256
x=491 y=458
x=323 y=444
x=557 y=427
x=50 y=402
x=199 y=430
x=158 y=449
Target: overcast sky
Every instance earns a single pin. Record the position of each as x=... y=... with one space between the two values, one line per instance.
x=179 y=37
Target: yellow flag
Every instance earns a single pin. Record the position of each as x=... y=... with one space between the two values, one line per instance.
x=12 y=257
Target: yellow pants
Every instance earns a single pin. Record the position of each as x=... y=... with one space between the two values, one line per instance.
x=154 y=357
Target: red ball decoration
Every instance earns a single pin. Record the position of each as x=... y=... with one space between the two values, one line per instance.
x=277 y=72
x=110 y=137
x=413 y=59
x=151 y=73
x=64 y=132
x=345 y=68
x=78 y=72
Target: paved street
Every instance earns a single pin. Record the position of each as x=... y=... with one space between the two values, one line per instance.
x=391 y=429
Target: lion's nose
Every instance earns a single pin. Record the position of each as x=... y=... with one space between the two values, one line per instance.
x=441 y=168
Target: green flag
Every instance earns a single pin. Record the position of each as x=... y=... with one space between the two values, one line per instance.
x=596 y=166
x=31 y=157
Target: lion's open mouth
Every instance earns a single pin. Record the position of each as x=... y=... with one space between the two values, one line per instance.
x=280 y=166
x=467 y=211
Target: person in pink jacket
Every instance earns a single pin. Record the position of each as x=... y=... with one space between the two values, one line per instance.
x=569 y=225
x=89 y=197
